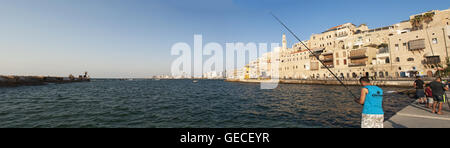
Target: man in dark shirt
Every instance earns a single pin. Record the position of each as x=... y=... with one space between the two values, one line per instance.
x=420 y=92
x=438 y=89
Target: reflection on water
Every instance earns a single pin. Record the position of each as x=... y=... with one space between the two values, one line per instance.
x=181 y=103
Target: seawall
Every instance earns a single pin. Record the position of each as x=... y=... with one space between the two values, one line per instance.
x=8 y=81
x=394 y=83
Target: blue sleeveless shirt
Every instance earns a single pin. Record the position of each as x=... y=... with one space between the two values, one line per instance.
x=374 y=101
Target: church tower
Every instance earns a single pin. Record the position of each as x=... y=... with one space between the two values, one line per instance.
x=284 y=42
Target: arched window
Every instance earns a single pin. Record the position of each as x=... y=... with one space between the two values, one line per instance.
x=397 y=59
x=387 y=60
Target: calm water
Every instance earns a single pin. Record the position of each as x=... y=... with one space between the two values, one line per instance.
x=181 y=103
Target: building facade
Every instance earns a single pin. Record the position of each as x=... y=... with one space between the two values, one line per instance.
x=418 y=46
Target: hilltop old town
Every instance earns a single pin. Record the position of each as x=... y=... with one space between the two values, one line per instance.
x=415 y=47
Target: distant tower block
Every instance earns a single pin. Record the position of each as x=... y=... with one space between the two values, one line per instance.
x=284 y=42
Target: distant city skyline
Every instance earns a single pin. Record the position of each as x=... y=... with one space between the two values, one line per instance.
x=122 y=38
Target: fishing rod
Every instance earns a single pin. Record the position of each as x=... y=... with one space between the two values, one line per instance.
x=315 y=55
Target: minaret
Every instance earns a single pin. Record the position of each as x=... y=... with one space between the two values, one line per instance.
x=284 y=42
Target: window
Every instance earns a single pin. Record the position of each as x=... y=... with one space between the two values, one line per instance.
x=410 y=59
x=404 y=44
x=397 y=59
x=337 y=55
x=387 y=60
x=337 y=62
x=396 y=46
x=344 y=54
x=345 y=61
x=381 y=74
x=434 y=40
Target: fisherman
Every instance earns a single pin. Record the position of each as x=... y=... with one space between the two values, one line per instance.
x=420 y=93
x=372 y=99
x=438 y=90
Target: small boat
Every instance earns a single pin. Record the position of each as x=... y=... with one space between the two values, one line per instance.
x=195 y=81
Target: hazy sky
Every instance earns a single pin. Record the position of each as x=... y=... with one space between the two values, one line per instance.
x=133 y=38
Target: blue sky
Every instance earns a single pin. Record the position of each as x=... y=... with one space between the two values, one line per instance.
x=133 y=38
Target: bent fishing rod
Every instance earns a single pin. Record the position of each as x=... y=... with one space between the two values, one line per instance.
x=315 y=55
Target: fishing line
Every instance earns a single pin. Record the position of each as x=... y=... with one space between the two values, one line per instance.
x=315 y=55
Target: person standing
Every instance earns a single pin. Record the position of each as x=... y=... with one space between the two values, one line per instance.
x=420 y=92
x=372 y=99
x=429 y=95
x=438 y=89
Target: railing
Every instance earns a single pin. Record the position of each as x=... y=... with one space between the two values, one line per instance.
x=371 y=78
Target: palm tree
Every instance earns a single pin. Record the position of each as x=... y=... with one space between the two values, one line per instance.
x=416 y=22
x=427 y=19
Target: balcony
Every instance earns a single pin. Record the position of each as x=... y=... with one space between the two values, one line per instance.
x=416 y=45
x=327 y=59
x=342 y=35
x=329 y=66
x=327 y=54
x=383 y=50
x=431 y=60
x=358 y=54
x=356 y=64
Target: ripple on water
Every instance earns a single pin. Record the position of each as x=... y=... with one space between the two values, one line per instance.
x=181 y=103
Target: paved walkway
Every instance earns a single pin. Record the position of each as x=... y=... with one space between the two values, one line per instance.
x=418 y=116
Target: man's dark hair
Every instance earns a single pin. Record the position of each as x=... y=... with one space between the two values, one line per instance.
x=364 y=79
x=438 y=78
